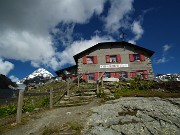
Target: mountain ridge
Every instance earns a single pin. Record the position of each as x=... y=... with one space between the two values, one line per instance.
x=38 y=74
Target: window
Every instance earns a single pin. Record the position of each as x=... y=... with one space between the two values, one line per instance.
x=140 y=74
x=91 y=76
x=113 y=58
x=90 y=60
x=107 y=75
x=136 y=57
x=113 y=75
x=123 y=74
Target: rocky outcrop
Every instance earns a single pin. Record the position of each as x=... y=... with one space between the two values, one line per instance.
x=135 y=115
x=5 y=82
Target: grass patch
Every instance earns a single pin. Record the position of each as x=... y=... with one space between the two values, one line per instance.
x=48 y=86
x=9 y=109
x=144 y=93
x=73 y=128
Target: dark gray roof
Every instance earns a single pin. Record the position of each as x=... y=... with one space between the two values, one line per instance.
x=58 y=72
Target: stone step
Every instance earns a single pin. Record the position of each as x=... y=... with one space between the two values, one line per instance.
x=70 y=104
x=89 y=93
x=86 y=90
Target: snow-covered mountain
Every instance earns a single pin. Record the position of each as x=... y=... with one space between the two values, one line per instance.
x=39 y=74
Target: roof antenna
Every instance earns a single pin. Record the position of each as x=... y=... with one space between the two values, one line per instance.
x=122 y=35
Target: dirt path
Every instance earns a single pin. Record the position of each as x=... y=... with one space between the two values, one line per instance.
x=57 y=116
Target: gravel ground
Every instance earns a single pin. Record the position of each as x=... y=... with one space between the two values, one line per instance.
x=57 y=116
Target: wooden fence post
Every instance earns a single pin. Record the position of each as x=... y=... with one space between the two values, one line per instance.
x=19 y=107
x=97 y=86
x=68 y=94
x=78 y=81
x=51 y=98
x=102 y=84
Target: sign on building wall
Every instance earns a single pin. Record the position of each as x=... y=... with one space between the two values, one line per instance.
x=114 y=66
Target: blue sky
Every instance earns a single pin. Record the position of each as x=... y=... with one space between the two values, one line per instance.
x=47 y=33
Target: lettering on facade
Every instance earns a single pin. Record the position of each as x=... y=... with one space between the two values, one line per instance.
x=114 y=66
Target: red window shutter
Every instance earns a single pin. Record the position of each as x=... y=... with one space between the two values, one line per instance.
x=142 y=58
x=130 y=74
x=85 y=77
x=95 y=76
x=95 y=60
x=133 y=74
x=145 y=76
x=84 y=60
x=117 y=75
x=112 y=75
x=118 y=57
x=107 y=58
x=131 y=58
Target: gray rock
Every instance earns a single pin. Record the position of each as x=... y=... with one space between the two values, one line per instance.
x=103 y=131
x=135 y=115
x=107 y=91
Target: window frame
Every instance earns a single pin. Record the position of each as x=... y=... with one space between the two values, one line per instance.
x=114 y=58
x=123 y=74
x=91 y=76
x=86 y=61
x=107 y=75
x=136 y=57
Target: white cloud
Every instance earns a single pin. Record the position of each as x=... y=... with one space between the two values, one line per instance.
x=164 y=58
x=166 y=48
x=137 y=30
x=5 y=66
x=64 y=33
x=25 y=26
x=132 y=41
x=14 y=78
x=78 y=46
x=117 y=16
x=25 y=46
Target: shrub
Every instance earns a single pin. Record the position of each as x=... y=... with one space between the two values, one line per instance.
x=8 y=110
